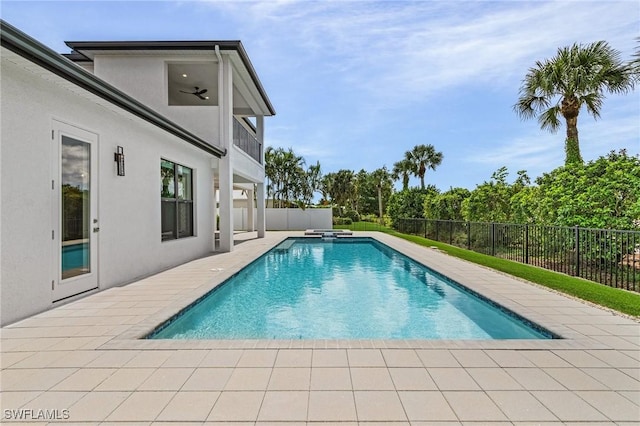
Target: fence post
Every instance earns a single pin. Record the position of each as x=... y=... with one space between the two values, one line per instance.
x=437 y=230
x=526 y=244
x=451 y=232
x=468 y=235
x=493 y=238
x=577 y=250
x=425 y=228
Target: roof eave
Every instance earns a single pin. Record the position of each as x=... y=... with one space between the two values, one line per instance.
x=34 y=51
x=85 y=48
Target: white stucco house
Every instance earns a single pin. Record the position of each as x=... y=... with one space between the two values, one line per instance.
x=112 y=158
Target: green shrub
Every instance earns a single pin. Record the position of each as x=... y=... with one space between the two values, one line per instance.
x=353 y=215
x=342 y=221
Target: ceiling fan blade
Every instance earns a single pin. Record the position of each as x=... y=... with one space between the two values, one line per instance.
x=182 y=91
x=201 y=97
x=202 y=92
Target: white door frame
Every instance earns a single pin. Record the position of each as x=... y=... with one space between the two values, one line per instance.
x=64 y=288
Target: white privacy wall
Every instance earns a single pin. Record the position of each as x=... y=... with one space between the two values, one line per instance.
x=298 y=219
x=285 y=219
x=129 y=242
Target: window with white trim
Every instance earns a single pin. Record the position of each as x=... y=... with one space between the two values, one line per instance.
x=176 y=195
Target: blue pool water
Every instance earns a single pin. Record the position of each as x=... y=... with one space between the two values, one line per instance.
x=354 y=288
x=75 y=256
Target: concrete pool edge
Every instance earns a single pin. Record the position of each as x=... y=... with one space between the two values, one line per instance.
x=133 y=338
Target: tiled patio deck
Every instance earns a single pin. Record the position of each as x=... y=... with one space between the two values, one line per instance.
x=84 y=360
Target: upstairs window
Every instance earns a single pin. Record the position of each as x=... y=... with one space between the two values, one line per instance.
x=176 y=195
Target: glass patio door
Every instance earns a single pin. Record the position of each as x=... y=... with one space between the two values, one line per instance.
x=75 y=227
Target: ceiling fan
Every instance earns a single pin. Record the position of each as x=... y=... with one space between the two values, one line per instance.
x=198 y=92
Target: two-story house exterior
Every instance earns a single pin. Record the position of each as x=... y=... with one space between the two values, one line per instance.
x=112 y=159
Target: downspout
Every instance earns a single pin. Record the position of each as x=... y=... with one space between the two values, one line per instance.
x=220 y=83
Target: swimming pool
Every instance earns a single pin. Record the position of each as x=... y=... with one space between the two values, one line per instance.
x=348 y=288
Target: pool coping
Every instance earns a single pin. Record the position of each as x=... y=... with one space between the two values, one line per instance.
x=133 y=338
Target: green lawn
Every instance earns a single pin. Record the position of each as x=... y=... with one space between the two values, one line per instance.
x=620 y=300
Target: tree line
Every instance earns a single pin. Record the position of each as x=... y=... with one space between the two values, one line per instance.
x=604 y=193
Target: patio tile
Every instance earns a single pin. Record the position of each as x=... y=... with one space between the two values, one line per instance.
x=365 y=358
x=509 y=358
x=615 y=359
x=493 y=379
x=222 y=358
x=534 y=379
x=371 y=379
x=54 y=400
x=167 y=379
x=378 y=406
x=567 y=406
x=290 y=379
x=148 y=359
x=614 y=379
x=329 y=358
x=189 y=407
x=11 y=358
x=473 y=358
x=15 y=400
x=574 y=379
x=452 y=379
x=112 y=359
x=412 y=379
x=249 y=379
x=633 y=396
x=236 y=406
x=401 y=358
x=141 y=406
x=185 y=358
x=284 y=406
x=126 y=379
x=258 y=358
x=545 y=359
x=293 y=358
x=331 y=406
x=521 y=406
x=208 y=379
x=39 y=379
x=474 y=406
x=425 y=406
x=612 y=405
x=437 y=358
x=330 y=379
x=39 y=359
x=96 y=406
x=580 y=359
x=85 y=379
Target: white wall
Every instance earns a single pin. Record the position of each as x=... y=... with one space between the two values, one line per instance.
x=129 y=244
x=298 y=219
x=144 y=78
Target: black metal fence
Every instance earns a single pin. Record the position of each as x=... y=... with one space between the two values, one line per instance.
x=609 y=257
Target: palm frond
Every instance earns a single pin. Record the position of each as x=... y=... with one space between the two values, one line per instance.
x=549 y=119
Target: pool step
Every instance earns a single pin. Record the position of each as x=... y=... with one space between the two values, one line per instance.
x=285 y=245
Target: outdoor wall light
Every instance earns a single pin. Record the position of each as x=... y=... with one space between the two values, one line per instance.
x=118 y=157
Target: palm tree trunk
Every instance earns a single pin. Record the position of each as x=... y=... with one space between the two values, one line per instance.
x=570 y=107
x=380 y=202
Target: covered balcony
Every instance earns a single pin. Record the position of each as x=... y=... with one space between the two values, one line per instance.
x=246 y=140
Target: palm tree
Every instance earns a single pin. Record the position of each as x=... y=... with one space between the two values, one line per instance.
x=402 y=169
x=383 y=182
x=576 y=76
x=423 y=157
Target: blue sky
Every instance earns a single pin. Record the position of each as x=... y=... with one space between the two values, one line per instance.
x=356 y=84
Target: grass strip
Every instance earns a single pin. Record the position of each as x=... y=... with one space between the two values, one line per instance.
x=620 y=300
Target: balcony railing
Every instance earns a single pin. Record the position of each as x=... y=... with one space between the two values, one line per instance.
x=247 y=142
